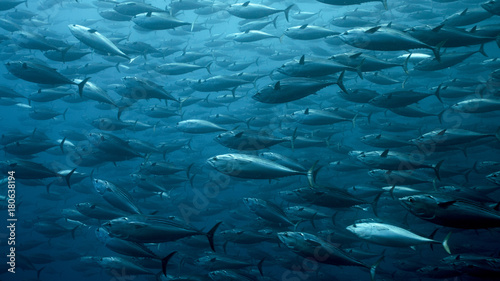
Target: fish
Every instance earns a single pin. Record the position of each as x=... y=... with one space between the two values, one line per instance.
x=312 y=67
x=41 y=74
x=247 y=139
x=381 y=38
x=290 y=89
x=350 y=2
x=197 y=126
x=253 y=167
x=315 y=248
x=391 y=235
x=308 y=32
x=249 y=10
x=154 y=229
x=451 y=211
x=96 y=40
x=116 y=196
x=157 y=21
x=267 y=210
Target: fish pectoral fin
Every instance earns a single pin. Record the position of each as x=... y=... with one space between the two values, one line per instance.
x=446 y=204
x=138 y=225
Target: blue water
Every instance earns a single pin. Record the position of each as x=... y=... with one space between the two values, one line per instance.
x=208 y=196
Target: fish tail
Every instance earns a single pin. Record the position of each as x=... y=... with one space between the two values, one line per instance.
x=81 y=85
x=445 y=243
x=64 y=113
x=384 y=2
x=375 y=203
x=312 y=173
x=497 y=134
x=437 y=168
x=436 y=50
x=359 y=68
x=481 y=50
x=312 y=219
x=68 y=176
x=340 y=82
x=164 y=262
x=61 y=145
x=208 y=67
x=274 y=22
x=373 y=268
x=287 y=10
x=259 y=266
x=210 y=235
x=43 y=267
x=438 y=93
x=405 y=64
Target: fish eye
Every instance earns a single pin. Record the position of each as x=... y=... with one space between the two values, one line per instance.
x=411 y=200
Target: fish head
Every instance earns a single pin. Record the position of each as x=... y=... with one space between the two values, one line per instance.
x=494 y=177
x=101 y=186
x=223 y=163
x=84 y=206
x=91 y=259
x=96 y=138
x=295 y=240
x=119 y=227
x=362 y=230
x=258 y=97
x=219 y=275
x=423 y=205
x=102 y=235
x=202 y=261
x=252 y=203
x=223 y=138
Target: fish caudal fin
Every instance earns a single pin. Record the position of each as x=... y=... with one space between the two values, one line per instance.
x=445 y=243
x=340 y=82
x=81 y=85
x=436 y=50
x=210 y=235
x=164 y=262
x=287 y=10
x=259 y=266
x=373 y=268
x=311 y=174
x=68 y=176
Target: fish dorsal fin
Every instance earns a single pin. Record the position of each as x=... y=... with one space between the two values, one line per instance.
x=303 y=26
x=238 y=135
x=301 y=61
x=442 y=132
x=355 y=56
x=446 y=204
x=306 y=112
x=313 y=243
x=385 y=153
x=213 y=259
x=438 y=28
x=389 y=25
x=25 y=66
x=378 y=136
x=473 y=30
x=92 y=30
x=373 y=29
x=464 y=12
x=277 y=86
x=497 y=207
x=149 y=14
x=245 y=4
x=246 y=32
